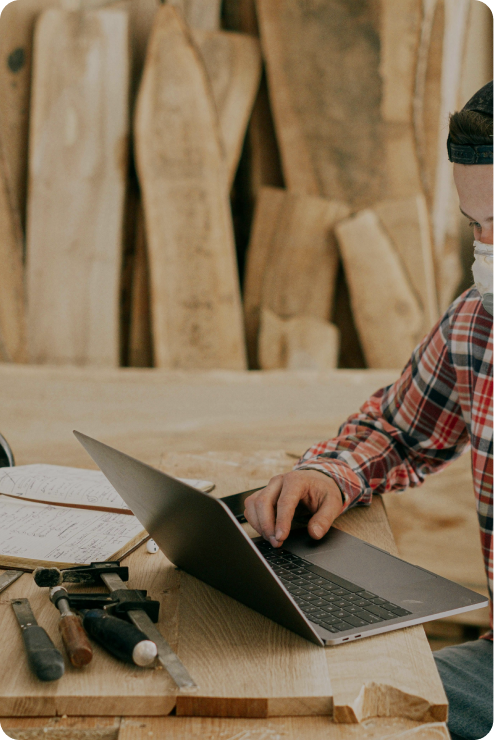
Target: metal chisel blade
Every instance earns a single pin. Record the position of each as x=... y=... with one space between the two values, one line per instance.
x=23 y=613
x=168 y=659
x=9 y=577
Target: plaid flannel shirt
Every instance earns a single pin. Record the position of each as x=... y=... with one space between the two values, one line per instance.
x=439 y=407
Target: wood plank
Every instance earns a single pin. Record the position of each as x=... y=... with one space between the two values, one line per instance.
x=195 y=295
x=387 y=314
x=406 y=222
x=16 y=39
x=391 y=675
x=78 y=142
x=299 y=343
x=12 y=304
x=326 y=147
x=203 y=14
x=288 y=728
x=233 y=65
x=292 y=259
x=208 y=728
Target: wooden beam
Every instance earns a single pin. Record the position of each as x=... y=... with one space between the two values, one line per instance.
x=299 y=343
x=78 y=168
x=387 y=313
x=203 y=14
x=195 y=294
x=292 y=259
x=12 y=303
x=233 y=65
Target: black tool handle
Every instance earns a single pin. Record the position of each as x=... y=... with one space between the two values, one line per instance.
x=45 y=661
x=118 y=637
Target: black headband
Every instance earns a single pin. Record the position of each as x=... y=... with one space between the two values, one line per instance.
x=481 y=102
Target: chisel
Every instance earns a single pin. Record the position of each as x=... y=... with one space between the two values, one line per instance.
x=9 y=577
x=70 y=625
x=45 y=661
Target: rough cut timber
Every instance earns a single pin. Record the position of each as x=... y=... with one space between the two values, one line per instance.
x=203 y=14
x=346 y=136
x=78 y=167
x=299 y=343
x=195 y=297
x=292 y=259
x=16 y=36
x=406 y=221
x=233 y=64
x=12 y=304
x=387 y=312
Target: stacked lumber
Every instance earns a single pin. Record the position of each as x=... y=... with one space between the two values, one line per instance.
x=169 y=148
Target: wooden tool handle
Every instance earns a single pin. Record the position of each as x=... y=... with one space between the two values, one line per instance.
x=75 y=640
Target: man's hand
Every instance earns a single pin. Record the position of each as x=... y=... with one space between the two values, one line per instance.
x=270 y=511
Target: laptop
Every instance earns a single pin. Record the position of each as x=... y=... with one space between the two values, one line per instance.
x=328 y=591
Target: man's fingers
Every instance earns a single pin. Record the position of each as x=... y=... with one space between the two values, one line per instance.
x=292 y=492
x=259 y=508
x=322 y=520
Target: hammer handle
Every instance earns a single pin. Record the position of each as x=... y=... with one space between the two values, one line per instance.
x=75 y=640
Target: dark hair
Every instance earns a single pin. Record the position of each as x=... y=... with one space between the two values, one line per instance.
x=470 y=128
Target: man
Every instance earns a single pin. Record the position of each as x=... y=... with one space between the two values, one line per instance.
x=440 y=406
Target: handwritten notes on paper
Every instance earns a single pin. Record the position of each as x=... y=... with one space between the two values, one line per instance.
x=58 y=534
x=55 y=484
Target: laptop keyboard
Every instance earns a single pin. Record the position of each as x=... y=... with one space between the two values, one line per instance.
x=330 y=601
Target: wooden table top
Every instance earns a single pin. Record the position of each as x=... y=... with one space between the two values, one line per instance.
x=237 y=429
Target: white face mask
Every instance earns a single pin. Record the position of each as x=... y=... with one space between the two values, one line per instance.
x=482 y=273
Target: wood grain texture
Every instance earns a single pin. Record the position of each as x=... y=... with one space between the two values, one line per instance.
x=16 y=40
x=12 y=297
x=387 y=314
x=233 y=65
x=78 y=146
x=198 y=728
x=299 y=343
x=194 y=283
x=292 y=259
x=406 y=222
x=204 y=14
x=340 y=136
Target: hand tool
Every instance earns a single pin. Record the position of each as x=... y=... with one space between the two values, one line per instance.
x=74 y=638
x=9 y=577
x=122 y=639
x=132 y=604
x=45 y=661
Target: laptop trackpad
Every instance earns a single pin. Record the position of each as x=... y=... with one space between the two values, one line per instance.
x=379 y=570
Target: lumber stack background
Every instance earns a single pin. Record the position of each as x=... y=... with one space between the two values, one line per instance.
x=237 y=184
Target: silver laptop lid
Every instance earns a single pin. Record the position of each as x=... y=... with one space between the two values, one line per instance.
x=199 y=534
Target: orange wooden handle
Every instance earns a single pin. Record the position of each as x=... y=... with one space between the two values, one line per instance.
x=75 y=640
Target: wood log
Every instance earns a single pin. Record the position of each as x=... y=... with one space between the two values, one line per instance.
x=78 y=167
x=387 y=312
x=233 y=65
x=203 y=14
x=292 y=259
x=12 y=304
x=299 y=343
x=194 y=280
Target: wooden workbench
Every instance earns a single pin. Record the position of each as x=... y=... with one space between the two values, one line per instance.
x=237 y=429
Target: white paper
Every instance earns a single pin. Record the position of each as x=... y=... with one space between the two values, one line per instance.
x=60 y=534
x=62 y=485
